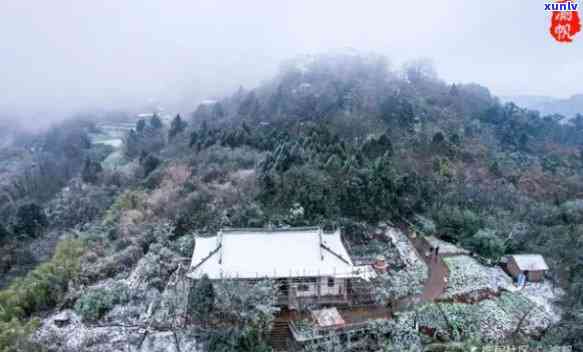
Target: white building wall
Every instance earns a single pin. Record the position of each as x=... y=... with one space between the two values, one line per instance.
x=337 y=289
x=312 y=289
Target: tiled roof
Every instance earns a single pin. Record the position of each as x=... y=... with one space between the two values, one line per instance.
x=530 y=262
x=257 y=253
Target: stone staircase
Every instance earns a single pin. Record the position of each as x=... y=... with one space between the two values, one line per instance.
x=280 y=334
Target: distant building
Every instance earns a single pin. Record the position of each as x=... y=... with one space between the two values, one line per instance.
x=165 y=117
x=208 y=102
x=533 y=266
x=312 y=267
x=145 y=115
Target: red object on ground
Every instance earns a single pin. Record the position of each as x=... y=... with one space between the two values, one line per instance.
x=564 y=25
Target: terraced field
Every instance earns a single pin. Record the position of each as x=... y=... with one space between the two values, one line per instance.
x=111 y=133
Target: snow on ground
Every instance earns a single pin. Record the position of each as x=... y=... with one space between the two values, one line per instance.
x=445 y=247
x=65 y=332
x=114 y=142
x=533 y=306
x=520 y=308
x=406 y=250
x=414 y=265
x=111 y=133
x=467 y=276
x=545 y=296
x=493 y=320
x=141 y=324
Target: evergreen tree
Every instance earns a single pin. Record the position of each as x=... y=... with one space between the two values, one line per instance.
x=155 y=122
x=250 y=105
x=438 y=138
x=149 y=163
x=177 y=126
x=194 y=139
x=4 y=234
x=90 y=171
x=132 y=144
x=30 y=220
x=375 y=148
x=201 y=299
x=140 y=125
x=218 y=110
x=456 y=139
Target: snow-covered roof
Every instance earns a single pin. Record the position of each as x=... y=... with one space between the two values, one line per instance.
x=258 y=253
x=208 y=102
x=530 y=262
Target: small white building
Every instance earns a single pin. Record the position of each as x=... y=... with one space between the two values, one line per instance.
x=533 y=266
x=311 y=266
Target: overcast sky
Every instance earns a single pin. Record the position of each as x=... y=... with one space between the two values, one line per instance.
x=63 y=55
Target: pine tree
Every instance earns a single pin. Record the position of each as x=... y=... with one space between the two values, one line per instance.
x=438 y=138
x=4 y=234
x=90 y=171
x=218 y=110
x=132 y=144
x=201 y=299
x=30 y=220
x=149 y=162
x=176 y=127
x=140 y=125
x=155 y=122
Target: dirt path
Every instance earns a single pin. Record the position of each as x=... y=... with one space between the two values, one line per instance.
x=435 y=284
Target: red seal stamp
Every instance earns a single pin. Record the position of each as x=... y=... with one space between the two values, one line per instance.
x=566 y=22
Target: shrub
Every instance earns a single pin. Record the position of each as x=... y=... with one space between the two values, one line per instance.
x=176 y=127
x=227 y=159
x=154 y=179
x=183 y=245
x=128 y=200
x=247 y=340
x=101 y=268
x=91 y=170
x=93 y=305
x=30 y=220
x=425 y=225
x=152 y=269
x=201 y=299
x=486 y=243
x=573 y=211
x=14 y=336
x=456 y=223
x=79 y=204
x=45 y=285
x=149 y=164
x=155 y=122
x=251 y=308
x=4 y=234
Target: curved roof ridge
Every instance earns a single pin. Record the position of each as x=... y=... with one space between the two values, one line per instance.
x=268 y=229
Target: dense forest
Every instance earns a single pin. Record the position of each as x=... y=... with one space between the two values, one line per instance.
x=340 y=141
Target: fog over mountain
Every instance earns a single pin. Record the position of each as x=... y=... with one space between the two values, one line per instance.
x=62 y=56
x=569 y=107
x=304 y=176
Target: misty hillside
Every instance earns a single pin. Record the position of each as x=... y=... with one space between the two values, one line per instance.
x=569 y=107
x=96 y=236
